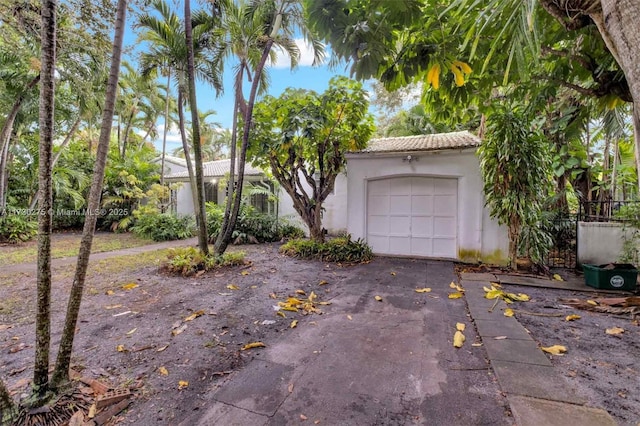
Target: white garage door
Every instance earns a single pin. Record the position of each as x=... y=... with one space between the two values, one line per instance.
x=415 y=216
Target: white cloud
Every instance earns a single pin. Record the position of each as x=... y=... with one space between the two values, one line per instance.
x=173 y=135
x=306 y=56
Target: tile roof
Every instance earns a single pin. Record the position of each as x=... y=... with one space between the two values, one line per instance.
x=431 y=142
x=217 y=168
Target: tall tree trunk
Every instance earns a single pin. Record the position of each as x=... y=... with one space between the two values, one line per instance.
x=248 y=115
x=619 y=25
x=46 y=123
x=61 y=371
x=195 y=134
x=63 y=145
x=614 y=171
x=127 y=129
x=166 y=126
x=187 y=153
x=5 y=136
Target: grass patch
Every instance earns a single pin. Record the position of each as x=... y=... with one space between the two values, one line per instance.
x=67 y=245
x=339 y=249
x=190 y=260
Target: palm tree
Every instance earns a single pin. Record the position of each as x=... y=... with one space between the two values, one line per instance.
x=168 y=51
x=250 y=32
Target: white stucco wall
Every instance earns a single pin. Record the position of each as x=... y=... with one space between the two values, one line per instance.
x=479 y=238
x=184 y=200
x=600 y=242
x=334 y=218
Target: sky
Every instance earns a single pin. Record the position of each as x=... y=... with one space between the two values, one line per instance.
x=304 y=76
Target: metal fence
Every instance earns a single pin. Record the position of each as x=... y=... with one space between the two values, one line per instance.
x=563 y=230
x=608 y=211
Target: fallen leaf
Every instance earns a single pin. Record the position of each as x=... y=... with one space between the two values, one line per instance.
x=303 y=417
x=456 y=286
x=294 y=324
x=476 y=344
x=182 y=384
x=120 y=348
x=163 y=371
x=113 y=307
x=162 y=348
x=194 y=315
x=508 y=312
x=323 y=282
x=324 y=303
x=592 y=302
x=273 y=295
x=423 y=290
x=349 y=317
x=572 y=317
x=557 y=277
x=500 y=338
x=92 y=411
x=253 y=287
x=129 y=286
x=253 y=345
x=233 y=287
x=458 y=339
x=179 y=330
x=378 y=298
x=290 y=388
x=393 y=273
x=614 y=330
x=555 y=349
x=456 y=295
x=77 y=419
x=302 y=292
x=281 y=314
x=460 y=326
x=245 y=273
x=110 y=293
x=130 y=332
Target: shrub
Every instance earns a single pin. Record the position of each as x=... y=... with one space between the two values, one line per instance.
x=162 y=226
x=339 y=249
x=16 y=228
x=252 y=226
x=189 y=260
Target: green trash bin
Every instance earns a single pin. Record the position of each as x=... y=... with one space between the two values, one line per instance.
x=611 y=276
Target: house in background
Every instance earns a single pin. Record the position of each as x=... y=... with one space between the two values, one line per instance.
x=417 y=196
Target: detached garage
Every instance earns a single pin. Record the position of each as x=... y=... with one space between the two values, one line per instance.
x=421 y=196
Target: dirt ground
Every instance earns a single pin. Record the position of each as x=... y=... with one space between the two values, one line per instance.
x=135 y=331
x=603 y=368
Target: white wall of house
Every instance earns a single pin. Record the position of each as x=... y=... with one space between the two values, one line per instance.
x=184 y=200
x=477 y=236
x=601 y=242
x=334 y=218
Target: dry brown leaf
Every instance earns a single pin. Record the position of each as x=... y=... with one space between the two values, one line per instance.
x=614 y=330
x=253 y=345
x=194 y=315
x=77 y=419
x=393 y=273
x=92 y=411
x=303 y=417
x=179 y=330
x=323 y=282
x=163 y=371
x=290 y=388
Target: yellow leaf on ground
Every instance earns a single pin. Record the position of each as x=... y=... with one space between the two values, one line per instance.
x=301 y=292
x=520 y=297
x=129 y=286
x=323 y=282
x=194 y=315
x=458 y=339
x=130 y=332
x=253 y=345
x=294 y=323
x=378 y=298
x=614 y=330
x=110 y=292
x=281 y=314
x=456 y=295
x=120 y=348
x=557 y=277
x=555 y=349
x=162 y=348
x=592 y=302
x=508 y=312
x=423 y=290
x=393 y=273
x=572 y=317
x=456 y=286
x=245 y=273
x=233 y=287
x=163 y=371
x=182 y=384
x=460 y=326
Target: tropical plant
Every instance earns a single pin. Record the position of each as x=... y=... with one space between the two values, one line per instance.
x=515 y=169
x=338 y=249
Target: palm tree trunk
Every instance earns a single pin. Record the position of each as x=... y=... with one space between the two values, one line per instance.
x=127 y=129
x=61 y=371
x=195 y=134
x=4 y=176
x=187 y=153
x=166 y=130
x=46 y=123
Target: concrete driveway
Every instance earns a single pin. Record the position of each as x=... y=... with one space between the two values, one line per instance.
x=369 y=362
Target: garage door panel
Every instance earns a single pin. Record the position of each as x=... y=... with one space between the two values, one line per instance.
x=400 y=204
x=422 y=226
x=444 y=227
x=400 y=225
x=422 y=205
x=413 y=216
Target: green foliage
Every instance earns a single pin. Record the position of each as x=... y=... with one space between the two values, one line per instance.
x=339 y=249
x=17 y=228
x=515 y=168
x=189 y=260
x=149 y=223
x=252 y=226
x=629 y=214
